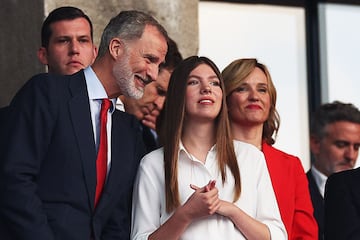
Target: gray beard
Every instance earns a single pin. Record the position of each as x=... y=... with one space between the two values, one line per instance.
x=126 y=79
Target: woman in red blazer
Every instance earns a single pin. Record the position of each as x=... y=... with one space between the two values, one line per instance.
x=251 y=98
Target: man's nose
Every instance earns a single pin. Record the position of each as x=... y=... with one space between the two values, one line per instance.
x=159 y=102
x=351 y=153
x=74 y=46
x=153 y=72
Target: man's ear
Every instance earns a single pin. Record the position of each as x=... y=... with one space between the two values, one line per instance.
x=96 y=51
x=116 y=47
x=42 y=55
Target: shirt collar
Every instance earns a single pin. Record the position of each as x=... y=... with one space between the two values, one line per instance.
x=320 y=179
x=95 y=88
x=120 y=105
x=182 y=149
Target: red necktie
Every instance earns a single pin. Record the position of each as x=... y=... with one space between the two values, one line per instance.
x=101 y=161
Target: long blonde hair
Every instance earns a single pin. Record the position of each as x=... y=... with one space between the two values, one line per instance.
x=234 y=75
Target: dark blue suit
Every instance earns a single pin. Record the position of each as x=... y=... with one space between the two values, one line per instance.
x=342 y=206
x=149 y=139
x=3 y=118
x=48 y=169
x=318 y=203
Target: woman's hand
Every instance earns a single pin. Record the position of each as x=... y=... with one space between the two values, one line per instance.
x=203 y=202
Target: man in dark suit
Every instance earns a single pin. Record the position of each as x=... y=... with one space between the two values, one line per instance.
x=2 y=117
x=342 y=206
x=48 y=174
x=334 y=143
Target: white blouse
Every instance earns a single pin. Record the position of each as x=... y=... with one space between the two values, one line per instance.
x=257 y=197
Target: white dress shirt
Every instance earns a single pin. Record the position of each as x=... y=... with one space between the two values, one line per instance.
x=120 y=105
x=257 y=197
x=96 y=93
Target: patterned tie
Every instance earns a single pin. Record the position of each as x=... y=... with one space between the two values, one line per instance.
x=101 y=161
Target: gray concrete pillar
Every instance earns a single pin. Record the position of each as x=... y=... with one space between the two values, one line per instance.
x=180 y=18
x=20 y=24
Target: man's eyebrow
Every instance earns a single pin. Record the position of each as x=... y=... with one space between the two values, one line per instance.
x=151 y=57
x=84 y=36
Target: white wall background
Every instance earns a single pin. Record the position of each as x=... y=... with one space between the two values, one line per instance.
x=340 y=51
x=276 y=37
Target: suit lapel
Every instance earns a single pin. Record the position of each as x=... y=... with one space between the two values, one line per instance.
x=81 y=119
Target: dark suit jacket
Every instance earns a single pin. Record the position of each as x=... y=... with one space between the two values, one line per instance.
x=318 y=203
x=2 y=114
x=48 y=172
x=149 y=139
x=3 y=120
x=342 y=206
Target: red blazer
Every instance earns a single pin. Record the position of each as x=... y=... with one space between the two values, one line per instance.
x=292 y=193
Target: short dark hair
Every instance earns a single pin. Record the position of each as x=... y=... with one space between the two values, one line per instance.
x=60 y=14
x=329 y=113
x=173 y=56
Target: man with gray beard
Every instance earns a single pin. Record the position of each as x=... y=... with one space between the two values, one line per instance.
x=50 y=185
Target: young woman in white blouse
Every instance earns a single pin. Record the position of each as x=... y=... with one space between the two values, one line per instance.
x=202 y=184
